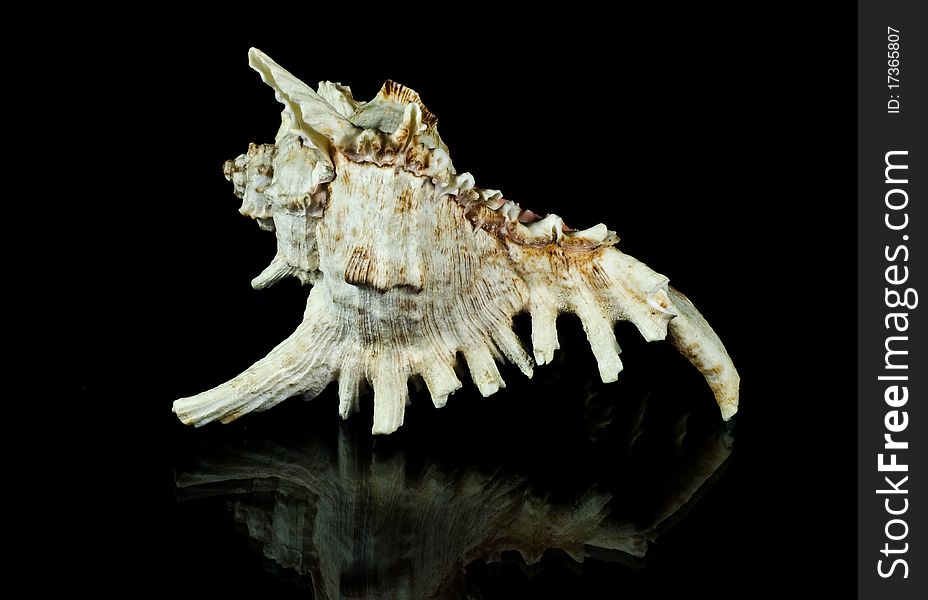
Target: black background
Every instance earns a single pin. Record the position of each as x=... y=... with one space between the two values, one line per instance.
x=708 y=143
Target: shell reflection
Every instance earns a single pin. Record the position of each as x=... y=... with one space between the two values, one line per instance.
x=354 y=519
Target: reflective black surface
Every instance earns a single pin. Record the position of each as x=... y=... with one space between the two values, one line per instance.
x=540 y=481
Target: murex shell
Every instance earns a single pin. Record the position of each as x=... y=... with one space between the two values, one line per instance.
x=411 y=264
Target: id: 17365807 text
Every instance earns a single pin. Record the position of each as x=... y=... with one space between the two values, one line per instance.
x=892 y=72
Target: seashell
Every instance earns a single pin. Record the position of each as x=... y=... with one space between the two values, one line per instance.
x=412 y=265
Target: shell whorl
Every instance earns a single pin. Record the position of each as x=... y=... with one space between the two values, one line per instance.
x=395 y=129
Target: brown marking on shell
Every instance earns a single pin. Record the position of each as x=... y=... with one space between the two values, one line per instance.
x=567 y=259
x=599 y=276
x=492 y=221
x=404 y=95
x=405 y=200
x=257 y=159
x=383 y=149
x=229 y=170
x=358 y=271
